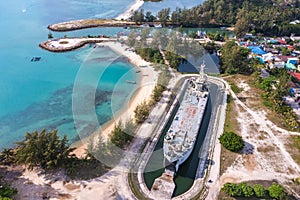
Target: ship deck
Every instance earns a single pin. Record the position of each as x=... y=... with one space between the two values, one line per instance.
x=184 y=128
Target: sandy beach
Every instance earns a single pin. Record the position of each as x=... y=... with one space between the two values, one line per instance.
x=146 y=85
x=34 y=185
x=137 y=4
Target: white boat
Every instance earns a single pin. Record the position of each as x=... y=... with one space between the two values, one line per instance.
x=180 y=138
x=157 y=25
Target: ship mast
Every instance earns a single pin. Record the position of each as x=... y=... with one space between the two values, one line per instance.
x=203 y=77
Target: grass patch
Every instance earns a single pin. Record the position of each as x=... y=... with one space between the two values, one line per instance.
x=235 y=88
x=231 y=125
x=227 y=158
x=265 y=149
x=293 y=147
x=133 y=186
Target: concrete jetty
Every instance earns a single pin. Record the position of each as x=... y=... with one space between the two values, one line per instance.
x=163 y=187
x=69 y=44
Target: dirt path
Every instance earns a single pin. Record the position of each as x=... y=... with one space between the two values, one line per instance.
x=264 y=156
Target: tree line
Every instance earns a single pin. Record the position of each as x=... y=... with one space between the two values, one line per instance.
x=274 y=88
x=175 y=46
x=269 y=17
x=275 y=191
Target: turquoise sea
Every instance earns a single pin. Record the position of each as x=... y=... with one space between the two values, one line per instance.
x=36 y=95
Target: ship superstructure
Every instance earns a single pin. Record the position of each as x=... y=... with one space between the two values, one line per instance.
x=180 y=139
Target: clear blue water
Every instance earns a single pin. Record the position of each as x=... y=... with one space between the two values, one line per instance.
x=35 y=95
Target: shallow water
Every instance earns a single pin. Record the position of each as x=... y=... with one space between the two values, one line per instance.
x=38 y=94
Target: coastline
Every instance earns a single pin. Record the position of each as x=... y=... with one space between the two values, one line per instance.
x=125 y=15
x=146 y=85
x=120 y=21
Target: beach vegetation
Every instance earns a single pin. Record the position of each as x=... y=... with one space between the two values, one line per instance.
x=103 y=153
x=121 y=134
x=43 y=149
x=157 y=92
x=7 y=156
x=149 y=17
x=138 y=16
x=232 y=141
x=7 y=192
x=150 y=55
x=164 y=15
x=141 y=112
x=131 y=39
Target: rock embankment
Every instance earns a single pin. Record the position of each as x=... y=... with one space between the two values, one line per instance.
x=69 y=44
x=90 y=23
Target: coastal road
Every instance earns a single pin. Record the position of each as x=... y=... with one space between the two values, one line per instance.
x=212 y=181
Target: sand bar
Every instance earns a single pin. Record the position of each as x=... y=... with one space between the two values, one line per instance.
x=127 y=14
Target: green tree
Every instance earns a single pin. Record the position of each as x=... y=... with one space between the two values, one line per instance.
x=131 y=39
x=232 y=141
x=43 y=149
x=164 y=16
x=234 y=59
x=141 y=112
x=259 y=190
x=276 y=191
x=117 y=135
x=246 y=189
x=7 y=192
x=7 y=156
x=129 y=128
x=149 y=17
x=232 y=189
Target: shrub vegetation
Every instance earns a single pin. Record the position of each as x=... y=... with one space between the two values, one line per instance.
x=232 y=141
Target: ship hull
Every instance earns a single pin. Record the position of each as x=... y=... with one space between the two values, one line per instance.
x=177 y=151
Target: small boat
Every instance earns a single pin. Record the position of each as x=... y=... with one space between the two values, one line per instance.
x=157 y=25
x=35 y=59
x=131 y=82
x=138 y=71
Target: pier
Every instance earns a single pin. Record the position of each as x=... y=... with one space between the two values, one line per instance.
x=69 y=44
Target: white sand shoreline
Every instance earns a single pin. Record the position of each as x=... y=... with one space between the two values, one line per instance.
x=146 y=85
x=137 y=4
